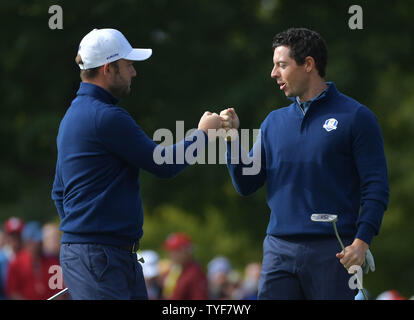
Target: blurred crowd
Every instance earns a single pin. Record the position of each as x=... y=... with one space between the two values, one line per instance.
x=29 y=260
x=181 y=277
x=29 y=268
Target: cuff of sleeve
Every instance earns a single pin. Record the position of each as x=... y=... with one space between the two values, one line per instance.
x=365 y=232
x=197 y=133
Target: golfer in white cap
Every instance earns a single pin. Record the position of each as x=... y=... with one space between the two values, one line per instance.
x=101 y=151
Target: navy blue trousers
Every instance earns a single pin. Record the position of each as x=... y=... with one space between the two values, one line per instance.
x=298 y=269
x=101 y=272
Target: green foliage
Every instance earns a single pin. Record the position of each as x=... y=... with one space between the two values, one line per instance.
x=208 y=55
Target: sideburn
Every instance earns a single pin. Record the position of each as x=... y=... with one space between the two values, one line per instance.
x=117 y=89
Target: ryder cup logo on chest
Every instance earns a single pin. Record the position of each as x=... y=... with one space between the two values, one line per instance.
x=330 y=124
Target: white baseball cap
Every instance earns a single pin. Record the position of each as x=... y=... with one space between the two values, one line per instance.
x=101 y=46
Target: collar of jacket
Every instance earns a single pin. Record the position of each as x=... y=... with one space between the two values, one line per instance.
x=89 y=89
x=330 y=91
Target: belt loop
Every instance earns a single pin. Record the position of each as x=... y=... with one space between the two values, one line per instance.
x=135 y=247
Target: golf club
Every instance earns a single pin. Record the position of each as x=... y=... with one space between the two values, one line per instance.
x=58 y=294
x=333 y=218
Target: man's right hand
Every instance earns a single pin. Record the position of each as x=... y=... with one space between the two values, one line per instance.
x=229 y=118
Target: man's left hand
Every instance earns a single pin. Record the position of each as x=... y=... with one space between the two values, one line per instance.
x=354 y=254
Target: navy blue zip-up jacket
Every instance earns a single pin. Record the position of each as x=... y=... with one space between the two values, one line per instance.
x=329 y=160
x=101 y=150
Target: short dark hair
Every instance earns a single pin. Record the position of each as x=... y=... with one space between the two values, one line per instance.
x=91 y=73
x=302 y=43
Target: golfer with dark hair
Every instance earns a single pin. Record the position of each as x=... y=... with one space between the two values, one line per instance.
x=321 y=154
x=101 y=151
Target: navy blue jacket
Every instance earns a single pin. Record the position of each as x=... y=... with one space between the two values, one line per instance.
x=101 y=150
x=329 y=160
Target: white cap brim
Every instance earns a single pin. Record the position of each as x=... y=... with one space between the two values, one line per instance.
x=139 y=54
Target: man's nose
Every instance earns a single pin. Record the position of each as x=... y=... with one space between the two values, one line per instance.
x=134 y=73
x=274 y=73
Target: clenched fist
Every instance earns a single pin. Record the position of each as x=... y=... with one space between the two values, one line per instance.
x=230 y=120
x=210 y=121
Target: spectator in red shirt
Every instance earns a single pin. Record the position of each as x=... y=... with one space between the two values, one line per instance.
x=28 y=275
x=186 y=279
x=12 y=244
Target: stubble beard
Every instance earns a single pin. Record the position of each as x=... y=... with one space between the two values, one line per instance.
x=120 y=87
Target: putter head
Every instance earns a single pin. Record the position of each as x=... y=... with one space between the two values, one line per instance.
x=324 y=217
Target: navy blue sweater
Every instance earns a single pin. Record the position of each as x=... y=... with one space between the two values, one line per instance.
x=312 y=165
x=101 y=150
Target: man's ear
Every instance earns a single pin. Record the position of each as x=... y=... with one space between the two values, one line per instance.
x=309 y=64
x=106 y=69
